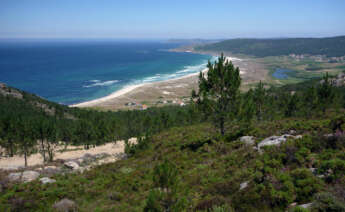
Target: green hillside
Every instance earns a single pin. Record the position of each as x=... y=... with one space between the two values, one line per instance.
x=26 y=118
x=183 y=163
x=331 y=47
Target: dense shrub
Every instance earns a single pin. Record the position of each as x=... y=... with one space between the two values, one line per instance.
x=306 y=184
x=165 y=196
x=326 y=202
x=334 y=169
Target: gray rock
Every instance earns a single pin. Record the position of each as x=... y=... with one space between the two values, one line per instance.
x=65 y=205
x=249 y=140
x=313 y=170
x=12 y=177
x=45 y=180
x=298 y=137
x=292 y=132
x=273 y=140
x=120 y=156
x=87 y=155
x=306 y=206
x=51 y=170
x=102 y=155
x=292 y=205
x=29 y=176
x=244 y=185
x=88 y=158
x=276 y=140
x=71 y=165
x=80 y=161
x=81 y=170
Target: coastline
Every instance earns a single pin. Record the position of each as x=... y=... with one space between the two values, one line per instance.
x=128 y=89
x=170 y=91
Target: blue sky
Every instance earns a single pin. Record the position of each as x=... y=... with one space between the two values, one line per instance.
x=171 y=18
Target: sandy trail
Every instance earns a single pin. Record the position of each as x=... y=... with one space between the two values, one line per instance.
x=37 y=159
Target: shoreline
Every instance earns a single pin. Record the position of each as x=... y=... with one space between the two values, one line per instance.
x=173 y=89
x=129 y=88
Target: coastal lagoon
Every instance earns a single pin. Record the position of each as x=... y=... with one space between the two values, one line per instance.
x=74 y=71
x=281 y=73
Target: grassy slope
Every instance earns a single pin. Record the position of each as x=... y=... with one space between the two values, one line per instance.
x=211 y=172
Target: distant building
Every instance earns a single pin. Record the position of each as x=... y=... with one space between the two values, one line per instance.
x=144 y=107
x=131 y=104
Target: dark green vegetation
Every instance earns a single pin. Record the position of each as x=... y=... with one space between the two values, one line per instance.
x=182 y=163
x=331 y=47
x=26 y=119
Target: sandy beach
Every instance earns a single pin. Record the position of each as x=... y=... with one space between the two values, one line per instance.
x=173 y=91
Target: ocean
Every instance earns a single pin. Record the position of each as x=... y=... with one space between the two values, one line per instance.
x=72 y=71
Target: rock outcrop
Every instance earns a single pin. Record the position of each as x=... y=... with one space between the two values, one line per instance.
x=29 y=176
x=248 y=140
x=13 y=177
x=276 y=140
x=244 y=185
x=65 y=205
x=26 y=176
x=4 y=90
x=71 y=165
x=45 y=180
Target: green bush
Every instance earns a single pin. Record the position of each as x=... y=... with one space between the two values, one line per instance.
x=306 y=184
x=326 y=202
x=335 y=168
x=165 y=196
x=300 y=209
x=223 y=208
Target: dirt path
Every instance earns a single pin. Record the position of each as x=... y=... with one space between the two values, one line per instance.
x=36 y=159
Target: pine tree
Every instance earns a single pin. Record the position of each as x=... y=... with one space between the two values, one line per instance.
x=27 y=136
x=248 y=109
x=218 y=93
x=325 y=93
x=259 y=99
x=310 y=98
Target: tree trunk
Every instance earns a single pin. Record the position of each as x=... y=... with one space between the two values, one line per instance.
x=11 y=148
x=43 y=151
x=222 y=131
x=25 y=158
x=50 y=152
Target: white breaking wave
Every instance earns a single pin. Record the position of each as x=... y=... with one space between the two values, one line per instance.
x=94 y=80
x=191 y=69
x=180 y=73
x=100 y=83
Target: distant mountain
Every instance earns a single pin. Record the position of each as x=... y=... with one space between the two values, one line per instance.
x=193 y=41
x=331 y=47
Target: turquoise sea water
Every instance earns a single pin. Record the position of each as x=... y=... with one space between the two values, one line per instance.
x=71 y=72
